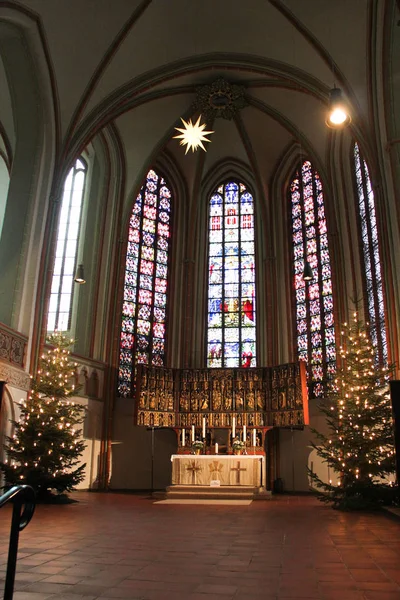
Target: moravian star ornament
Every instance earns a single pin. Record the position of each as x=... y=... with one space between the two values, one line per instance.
x=192 y=136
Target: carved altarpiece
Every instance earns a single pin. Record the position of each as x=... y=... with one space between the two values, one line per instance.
x=259 y=398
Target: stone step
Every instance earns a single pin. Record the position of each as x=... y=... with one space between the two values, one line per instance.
x=223 y=492
x=189 y=496
x=222 y=489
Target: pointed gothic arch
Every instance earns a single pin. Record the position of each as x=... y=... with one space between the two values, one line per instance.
x=373 y=284
x=144 y=310
x=315 y=326
x=231 y=310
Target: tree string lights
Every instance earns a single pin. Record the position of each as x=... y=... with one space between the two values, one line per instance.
x=360 y=444
x=46 y=446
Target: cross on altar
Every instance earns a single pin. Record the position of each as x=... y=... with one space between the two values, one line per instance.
x=238 y=469
x=194 y=468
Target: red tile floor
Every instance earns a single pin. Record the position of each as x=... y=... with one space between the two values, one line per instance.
x=125 y=546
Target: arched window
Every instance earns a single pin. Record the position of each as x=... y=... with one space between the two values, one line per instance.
x=314 y=302
x=145 y=290
x=62 y=287
x=4 y=184
x=231 y=339
x=372 y=261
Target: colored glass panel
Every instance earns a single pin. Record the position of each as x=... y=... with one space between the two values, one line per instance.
x=231 y=278
x=371 y=254
x=143 y=327
x=314 y=304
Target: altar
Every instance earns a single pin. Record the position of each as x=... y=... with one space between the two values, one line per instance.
x=218 y=470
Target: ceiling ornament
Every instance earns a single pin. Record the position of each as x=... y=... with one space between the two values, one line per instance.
x=192 y=135
x=221 y=99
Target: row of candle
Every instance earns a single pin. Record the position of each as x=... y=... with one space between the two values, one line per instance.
x=233 y=433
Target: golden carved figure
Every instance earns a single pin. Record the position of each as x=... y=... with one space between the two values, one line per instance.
x=260 y=400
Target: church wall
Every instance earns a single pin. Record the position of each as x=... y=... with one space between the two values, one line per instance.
x=91 y=433
x=91 y=430
x=97 y=307
x=88 y=251
x=28 y=118
x=23 y=177
x=91 y=381
x=296 y=453
x=9 y=411
x=6 y=111
x=131 y=454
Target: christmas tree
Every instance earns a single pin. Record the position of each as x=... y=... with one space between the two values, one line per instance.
x=46 y=447
x=359 y=448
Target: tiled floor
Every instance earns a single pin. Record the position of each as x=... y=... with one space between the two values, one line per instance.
x=124 y=546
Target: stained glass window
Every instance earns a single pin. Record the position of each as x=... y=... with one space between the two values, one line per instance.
x=372 y=261
x=146 y=279
x=314 y=301
x=231 y=333
x=62 y=287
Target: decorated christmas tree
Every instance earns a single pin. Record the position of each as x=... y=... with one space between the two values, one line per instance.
x=359 y=449
x=45 y=448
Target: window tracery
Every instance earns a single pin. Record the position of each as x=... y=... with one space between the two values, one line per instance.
x=143 y=328
x=62 y=286
x=231 y=334
x=315 y=331
x=371 y=256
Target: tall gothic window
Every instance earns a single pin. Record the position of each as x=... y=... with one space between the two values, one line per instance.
x=4 y=184
x=372 y=261
x=314 y=302
x=62 y=287
x=231 y=340
x=145 y=290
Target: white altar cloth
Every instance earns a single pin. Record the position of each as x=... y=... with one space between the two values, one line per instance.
x=229 y=469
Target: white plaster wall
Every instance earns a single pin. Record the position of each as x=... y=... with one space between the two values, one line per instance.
x=296 y=453
x=9 y=411
x=132 y=452
x=132 y=456
x=91 y=430
x=91 y=434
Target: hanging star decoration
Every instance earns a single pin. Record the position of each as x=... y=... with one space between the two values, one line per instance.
x=192 y=136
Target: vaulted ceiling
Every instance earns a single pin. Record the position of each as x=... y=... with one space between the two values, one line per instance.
x=139 y=63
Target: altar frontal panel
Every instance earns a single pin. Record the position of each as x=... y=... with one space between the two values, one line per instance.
x=226 y=470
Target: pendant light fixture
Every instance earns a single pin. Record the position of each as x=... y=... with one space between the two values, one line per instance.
x=80 y=275
x=308 y=273
x=338 y=114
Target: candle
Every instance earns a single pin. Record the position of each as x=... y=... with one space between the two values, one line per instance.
x=254 y=437
x=233 y=427
x=216 y=448
x=192 y=433
x=183 y=437
x=204 y=428
x=244 y=433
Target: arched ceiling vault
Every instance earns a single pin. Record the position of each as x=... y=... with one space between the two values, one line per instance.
x=138 y=65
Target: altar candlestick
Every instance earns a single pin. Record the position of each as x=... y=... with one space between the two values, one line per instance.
x=233 y=427
x=183 y=437
x=192 y=433
x=216 y=448
x=244 y=433
x=254 y=436
x=204 y=428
